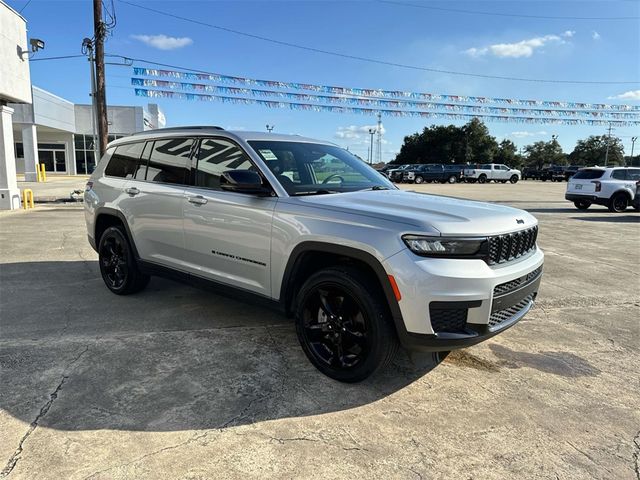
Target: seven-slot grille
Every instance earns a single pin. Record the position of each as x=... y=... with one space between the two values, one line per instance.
x=501 y=316
x=517 y=283
x=507 y=247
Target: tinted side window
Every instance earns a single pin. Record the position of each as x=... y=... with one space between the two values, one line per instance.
x=124 y=160
x=619 y=174
x=169 y=161
x=633 y=174
x=141 y=170
x=217 y=156
x=588 y=174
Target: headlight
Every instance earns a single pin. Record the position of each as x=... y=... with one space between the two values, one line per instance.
x=445 y=247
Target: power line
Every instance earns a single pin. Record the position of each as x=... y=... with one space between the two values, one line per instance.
x=25 y=6
x=498 y=14
x=372 y=60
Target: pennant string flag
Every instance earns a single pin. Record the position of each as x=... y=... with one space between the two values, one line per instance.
x=379 y=93
x=153 y=93
x=373 y=102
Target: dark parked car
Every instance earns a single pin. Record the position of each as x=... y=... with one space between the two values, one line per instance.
x=395 y=174
x=433 y=172
x=555 y=173
x=571 y=170
x=531 y=173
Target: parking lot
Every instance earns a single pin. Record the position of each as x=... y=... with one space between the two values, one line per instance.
x=177 y=382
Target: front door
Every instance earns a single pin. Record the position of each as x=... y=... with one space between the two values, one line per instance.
x=53 y=156
x=227 y=235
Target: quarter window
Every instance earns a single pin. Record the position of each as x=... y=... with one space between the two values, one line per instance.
x=169 y=161
x=633 y=174
x=124 y=160
x=217 y=156
x=619 y=174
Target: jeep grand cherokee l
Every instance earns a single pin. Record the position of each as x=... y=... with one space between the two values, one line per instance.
x=361 y=266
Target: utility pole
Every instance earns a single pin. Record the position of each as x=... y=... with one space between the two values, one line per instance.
x=606 y=153
x=379 y=140
x=372 y=131
x=87 y=47
x=99 y=32
x=633 y=142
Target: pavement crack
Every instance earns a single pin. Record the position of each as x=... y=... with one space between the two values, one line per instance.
x=636 y=454
x=13 y=460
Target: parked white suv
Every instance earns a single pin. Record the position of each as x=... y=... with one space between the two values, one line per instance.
x=309 y=228
x=614 y=187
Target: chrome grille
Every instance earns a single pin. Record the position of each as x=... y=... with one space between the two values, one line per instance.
x=515 y=284
x=507 y=247
x=501 y=316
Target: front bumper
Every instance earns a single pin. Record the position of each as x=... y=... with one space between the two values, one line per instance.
x=490 y=300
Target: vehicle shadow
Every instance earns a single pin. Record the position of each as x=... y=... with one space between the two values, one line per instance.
x=612 y=218
x=170 y=358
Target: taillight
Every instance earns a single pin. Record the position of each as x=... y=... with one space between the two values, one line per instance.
x=88 y=186
x=597 y=184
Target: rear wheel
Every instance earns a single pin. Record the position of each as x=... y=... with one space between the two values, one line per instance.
x=582 y=204
x=514 y=179
x=482 y=179
x=117 y=264
x=419 y=179
x=619 y=202
x=342 y=325
x=452 y=179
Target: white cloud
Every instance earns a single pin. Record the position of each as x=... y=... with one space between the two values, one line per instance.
x=523 y=48
x=630 y=95
x=595 y=35
x=354 y=132
x=163 y=42
x=524 y=134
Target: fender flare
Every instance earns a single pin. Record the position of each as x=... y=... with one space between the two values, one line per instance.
x=112 y=212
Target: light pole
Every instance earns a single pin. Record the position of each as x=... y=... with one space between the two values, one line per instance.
x=270 y=128
x=633 y=142
x=372 y=132
x=606 y=153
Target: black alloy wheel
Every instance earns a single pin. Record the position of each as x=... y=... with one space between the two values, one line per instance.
x=514 y=179
x=342 y=327
x=619 y=202
x=117 y=263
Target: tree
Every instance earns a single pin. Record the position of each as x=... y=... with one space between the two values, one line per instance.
x=506 y=154
x=592 y=151
x=541 y=153
x=449 y=144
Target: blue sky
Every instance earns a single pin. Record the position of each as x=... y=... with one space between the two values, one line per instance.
x=607 y=50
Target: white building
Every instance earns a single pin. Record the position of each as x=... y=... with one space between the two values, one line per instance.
x=59 y=134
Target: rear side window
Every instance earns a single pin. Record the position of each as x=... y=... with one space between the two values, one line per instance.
x=588 y=174
x=619 y=174
x=633 y=174
x=217 y=156
x=124 y=160
x=169 y=161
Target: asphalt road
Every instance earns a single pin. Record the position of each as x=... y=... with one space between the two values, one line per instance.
x=177 y=382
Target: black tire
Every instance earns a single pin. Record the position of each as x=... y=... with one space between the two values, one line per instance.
x=324 y=301
x=619 y=202
x=118 y=265
x=582 y=204
x=514 y=179
x=419 y=179
x=482 y=178
x=452 y=179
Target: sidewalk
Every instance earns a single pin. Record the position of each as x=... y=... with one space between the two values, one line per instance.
x=56 y=189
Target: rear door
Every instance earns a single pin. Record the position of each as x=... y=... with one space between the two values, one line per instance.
x=227 y=234
x=584 y=181
x=156 y=193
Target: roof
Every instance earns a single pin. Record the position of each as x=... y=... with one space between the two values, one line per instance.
x=198 y=131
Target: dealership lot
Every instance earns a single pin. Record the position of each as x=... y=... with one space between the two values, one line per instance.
x=177 y=382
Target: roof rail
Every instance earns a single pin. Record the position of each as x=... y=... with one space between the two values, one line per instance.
x=178 y=129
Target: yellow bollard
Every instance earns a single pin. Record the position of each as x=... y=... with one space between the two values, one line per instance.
x=27 y=198
x=42 y=174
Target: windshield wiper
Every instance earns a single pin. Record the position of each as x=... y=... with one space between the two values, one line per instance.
x=375 y=187
x=317 y=192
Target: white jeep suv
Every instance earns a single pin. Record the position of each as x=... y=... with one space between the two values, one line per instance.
x=614 y=187
x=309 y=228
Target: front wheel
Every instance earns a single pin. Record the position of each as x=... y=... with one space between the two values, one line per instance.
x=452 y=179
x=619 y=202
x=482 y=179
x=118 y=266
x=419 y=179
x=582 y=204
x=343 y=327
x=514 y=179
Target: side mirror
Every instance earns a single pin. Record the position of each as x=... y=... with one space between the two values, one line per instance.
x=243 y=181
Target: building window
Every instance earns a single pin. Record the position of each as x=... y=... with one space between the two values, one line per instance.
x=19 y=150
x=85 y=157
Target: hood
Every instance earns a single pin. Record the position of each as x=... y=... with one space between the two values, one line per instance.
x=425 y=213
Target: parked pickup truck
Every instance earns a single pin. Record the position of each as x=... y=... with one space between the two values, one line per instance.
x=433 y=172
x=491 y=171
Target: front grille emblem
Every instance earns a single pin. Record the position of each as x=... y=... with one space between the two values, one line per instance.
x=519 y=221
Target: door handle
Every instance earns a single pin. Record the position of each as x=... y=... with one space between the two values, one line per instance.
x=133 y=191
x=197 y=200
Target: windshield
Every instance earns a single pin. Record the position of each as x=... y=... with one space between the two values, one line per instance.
x=311 y=169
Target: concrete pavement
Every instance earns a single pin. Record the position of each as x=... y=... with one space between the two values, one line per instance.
x=177 y=382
